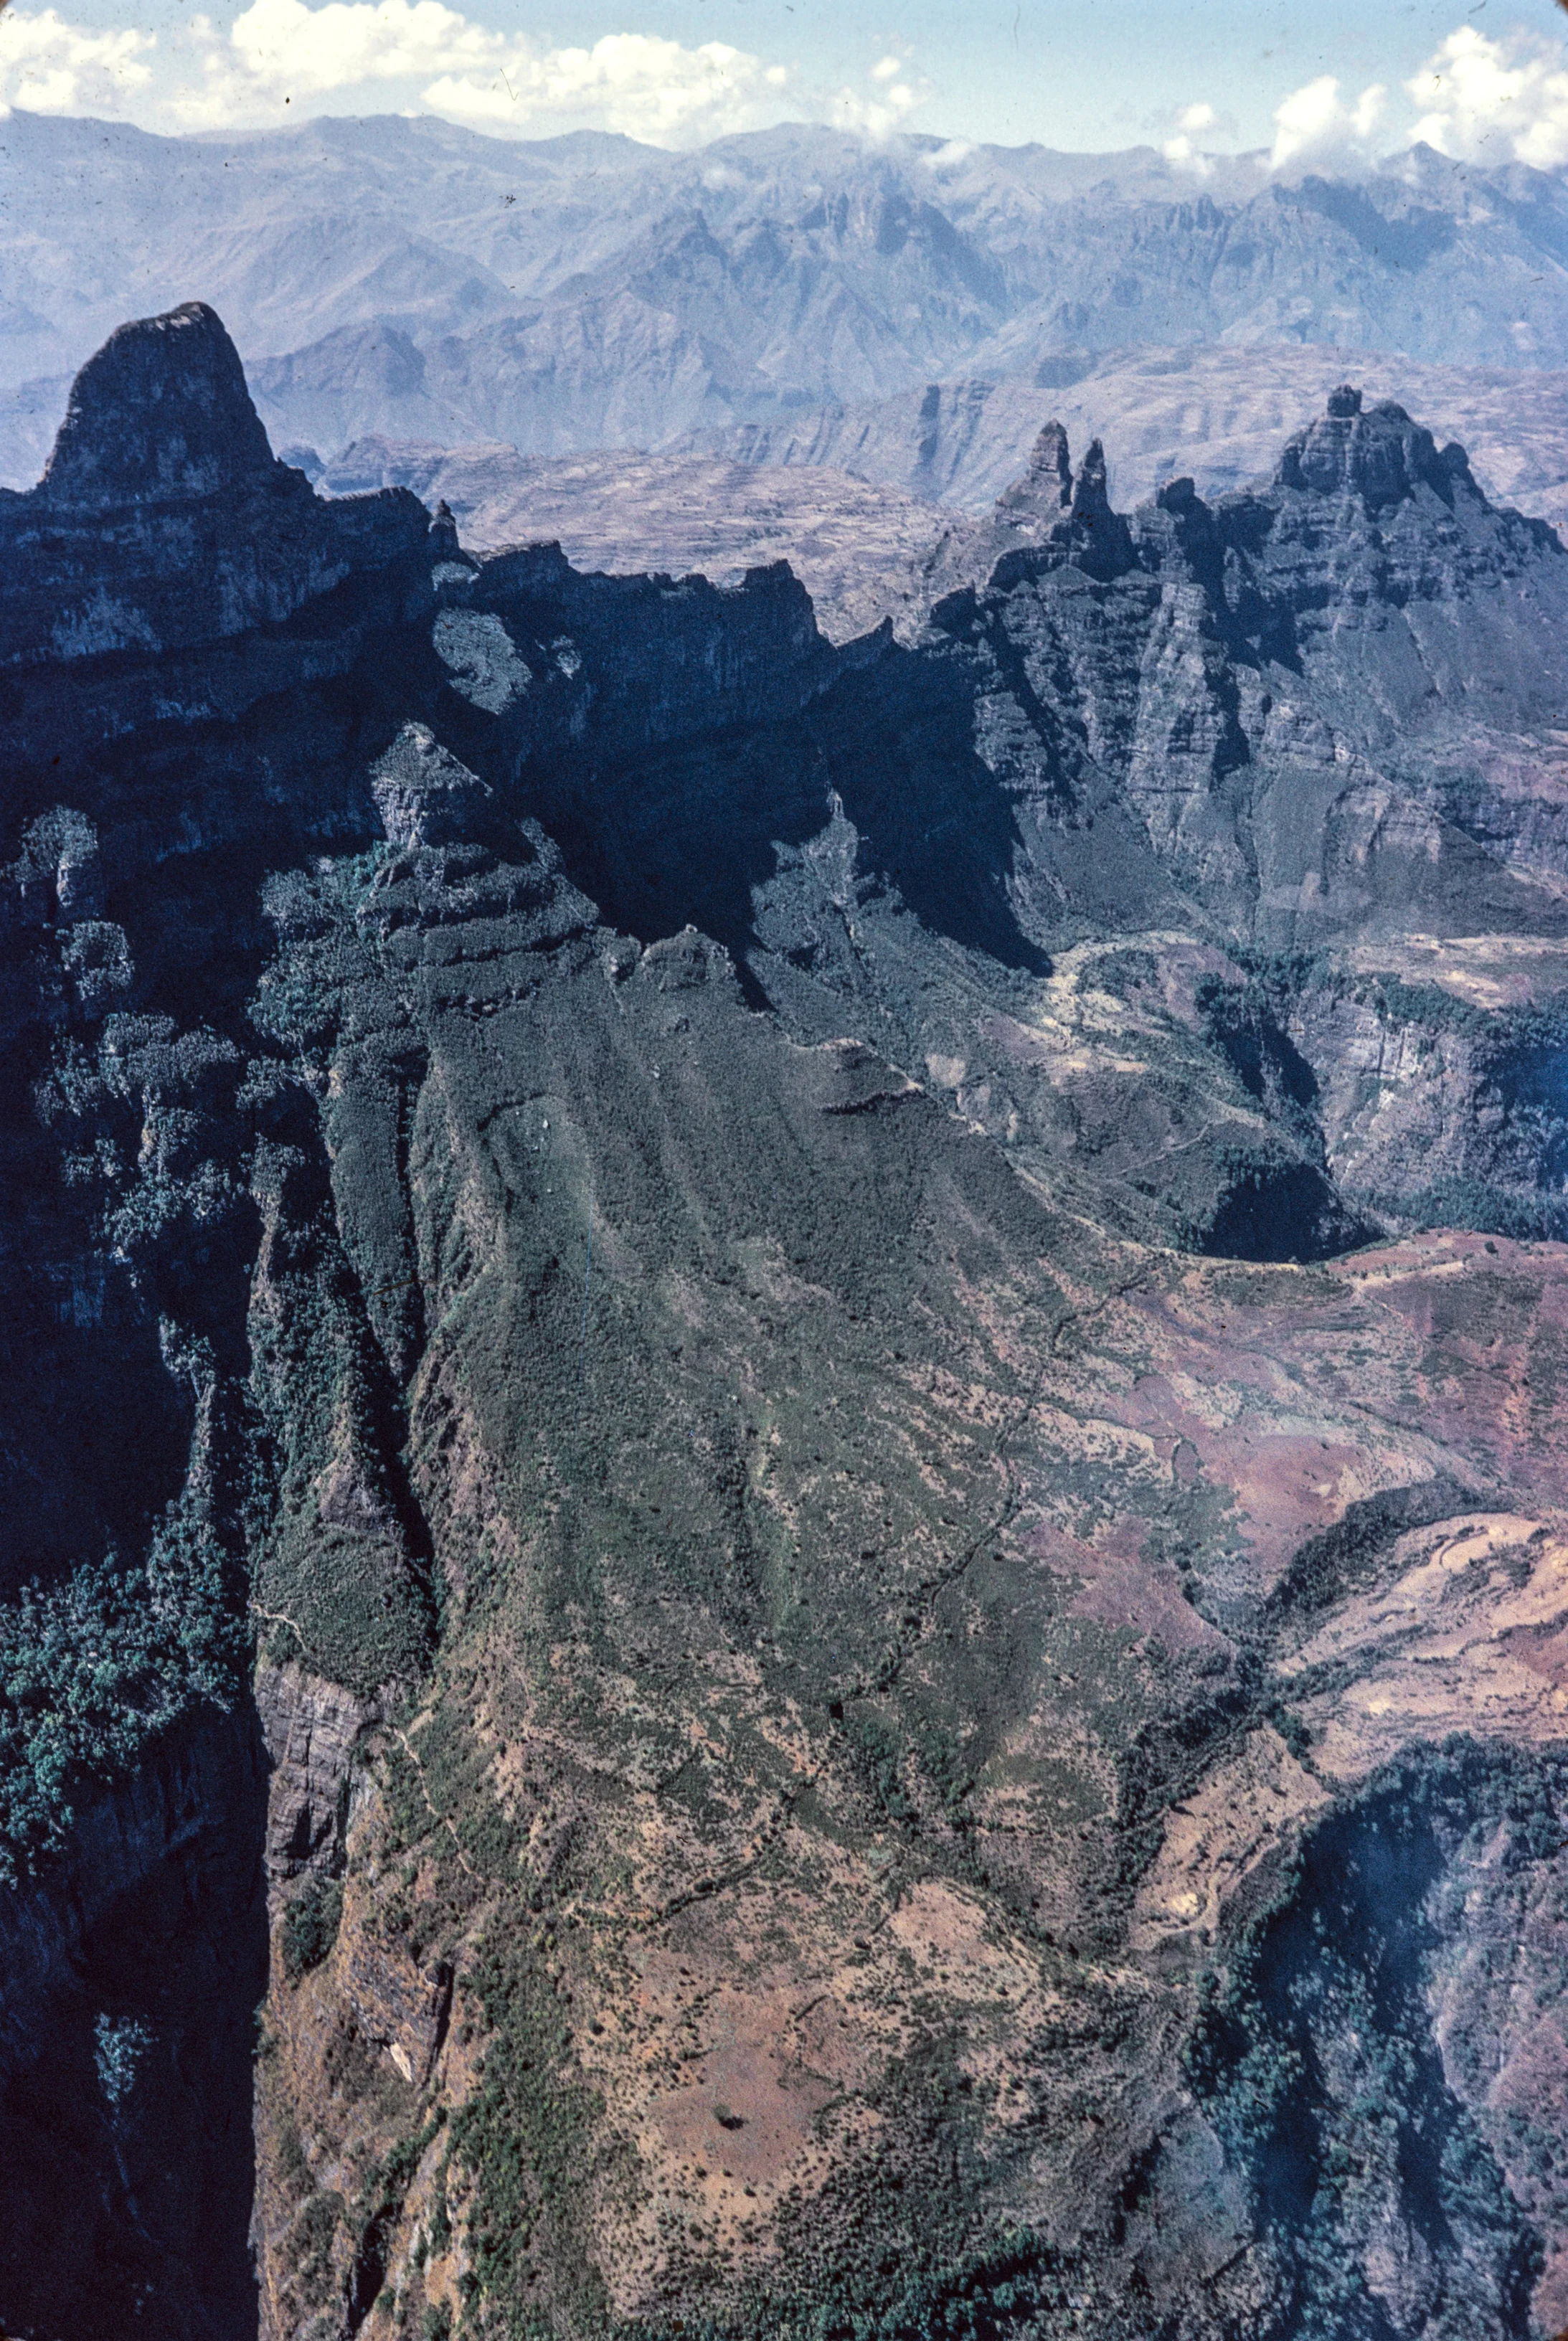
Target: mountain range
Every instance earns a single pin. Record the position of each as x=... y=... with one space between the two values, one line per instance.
x=785 y=1538
x=406 y=278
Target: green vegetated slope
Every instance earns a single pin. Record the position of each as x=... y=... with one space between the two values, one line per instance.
x=724 y=1272
x=765 y=1684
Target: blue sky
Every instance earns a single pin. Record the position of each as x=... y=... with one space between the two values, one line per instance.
x=1353 y=77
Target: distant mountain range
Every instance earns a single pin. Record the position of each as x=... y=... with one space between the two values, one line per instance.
x=410 y=279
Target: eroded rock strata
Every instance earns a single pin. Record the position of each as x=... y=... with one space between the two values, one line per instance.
x=815 y=1389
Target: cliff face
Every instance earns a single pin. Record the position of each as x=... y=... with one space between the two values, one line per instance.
x=127 y=2032
x=703 y=1277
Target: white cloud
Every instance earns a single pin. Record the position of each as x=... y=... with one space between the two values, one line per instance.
x=47 y=66
x=1490 y=101
x=1484 y=99
x=889 y=105
x=631 y=82
x=283 y=45
x=1191 y=122
x=1316 y=130
x=280 y=58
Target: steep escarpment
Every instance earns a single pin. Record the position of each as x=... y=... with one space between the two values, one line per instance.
x=127 y=2032
x=704 y=1285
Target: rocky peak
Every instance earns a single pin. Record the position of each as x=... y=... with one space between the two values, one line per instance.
x=1375 y=453
x=425 y=796
x=1178 y=495
x=1046 y=490
x=161 y=414
x=1049 y=490
x=1102 y=542
x=1091 y=495
x=1053 y=516
x=208 y=536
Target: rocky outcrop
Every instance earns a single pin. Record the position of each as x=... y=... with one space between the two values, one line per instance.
x=1044 y=492
x=397 y=2006
x=1378 y=455
x=1049 y=506
x=310 y=1730
x=162 y=458
x=160 y=416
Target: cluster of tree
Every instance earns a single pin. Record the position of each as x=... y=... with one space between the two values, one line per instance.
x=93 y=1670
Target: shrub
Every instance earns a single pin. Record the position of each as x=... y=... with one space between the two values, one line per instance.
x=120 y=2046
x=310 y=1926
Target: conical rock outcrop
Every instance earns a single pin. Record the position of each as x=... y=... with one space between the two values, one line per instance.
x=161 y=412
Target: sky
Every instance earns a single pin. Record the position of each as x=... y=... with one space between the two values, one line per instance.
x=1317 y=83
